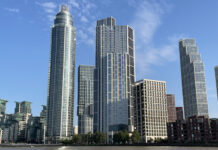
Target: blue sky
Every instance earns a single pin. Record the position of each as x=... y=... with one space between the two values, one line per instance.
x=25 y=42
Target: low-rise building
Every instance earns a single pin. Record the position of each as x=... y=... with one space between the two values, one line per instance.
x=194 y=129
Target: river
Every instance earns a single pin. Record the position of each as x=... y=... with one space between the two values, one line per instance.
x=110 y=148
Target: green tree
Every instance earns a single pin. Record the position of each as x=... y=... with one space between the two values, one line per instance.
x=121 y=137
x=65 y=141
x=124 y=137
x=77 y=139
x=135 y=137
x=117 y=138
x=90 y=138
x=99 y=138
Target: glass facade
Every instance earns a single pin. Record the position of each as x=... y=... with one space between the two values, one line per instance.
x=193 y=79
x=60 y=101
x=114 y=77
x=85 y=99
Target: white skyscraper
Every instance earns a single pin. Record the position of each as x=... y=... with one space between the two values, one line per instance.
x=60 y=102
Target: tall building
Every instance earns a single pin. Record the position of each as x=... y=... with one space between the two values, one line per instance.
x=171 y=108
x=216 y=75
x=85 y=99
x=2 y=107
x=23 y=107
x=150 y=105
x=60 y=101
x=179 y=113
x=193 y=79
x=114 y=77
x=43 y=123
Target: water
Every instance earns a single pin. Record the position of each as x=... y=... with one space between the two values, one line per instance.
x=110 y=148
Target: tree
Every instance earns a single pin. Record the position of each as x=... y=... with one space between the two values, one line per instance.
x=136 y=137
x=77 y=139
x=87 y=138
x=121 y=137
x=90 y=138
x=65 y=141
x=124 y=137
x=99 y=138
x=117 y=138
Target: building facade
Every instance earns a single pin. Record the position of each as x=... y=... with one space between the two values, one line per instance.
x=171 y=108
x=2 y=107
x=198 y=129
x=114 y=77
x=85 y=108
x=193 y=79
x=179 y=113
x=216 y=76
x=60 y=101
x=150 y=105
x=23 y=107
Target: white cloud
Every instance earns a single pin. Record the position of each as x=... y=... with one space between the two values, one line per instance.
x=147 y=20
x=84 y=15
x=49 y=8
x=82 y=35
x=14 y=10
x=74 y=3
x=84 y=19
x=49 y=5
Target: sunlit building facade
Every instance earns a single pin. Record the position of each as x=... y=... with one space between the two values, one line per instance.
x=114 y=77
x=150 y=105
x=85 y=110
x=171 y=108
x=193 y=79
x=60 y=101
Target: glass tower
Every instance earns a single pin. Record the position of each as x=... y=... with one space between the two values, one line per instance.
x=85 y=110
x=114 y=77
x=193 y=79
x=60 y=101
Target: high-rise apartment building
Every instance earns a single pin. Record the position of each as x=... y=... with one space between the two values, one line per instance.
x=2 y=107
x=179 y=113
x=114 y=77
x=193 y=79
x=60 y=102
x=216 y=76
x=85 y=110
x=171 y=108
x=23 y=107
x=150 y=105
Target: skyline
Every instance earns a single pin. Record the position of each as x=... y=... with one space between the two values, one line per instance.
x=157 y=66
